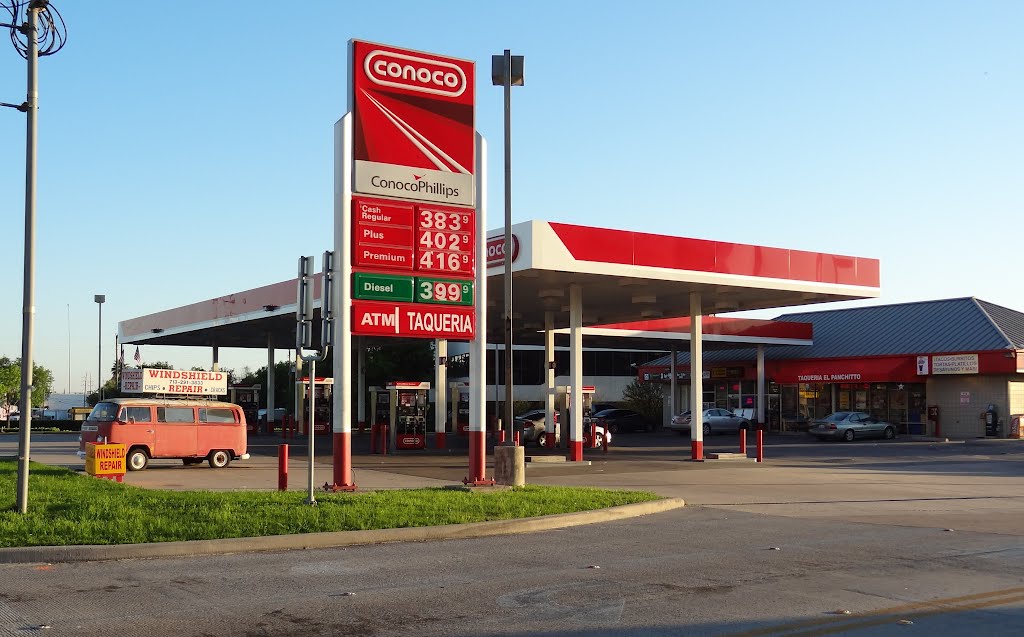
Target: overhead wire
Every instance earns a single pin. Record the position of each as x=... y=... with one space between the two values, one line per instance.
x=52 y=32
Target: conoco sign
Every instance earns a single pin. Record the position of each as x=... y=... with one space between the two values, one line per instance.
x=496 y=250
x=413 y=128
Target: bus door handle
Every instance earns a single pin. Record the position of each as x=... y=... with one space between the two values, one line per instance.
x=151 y=431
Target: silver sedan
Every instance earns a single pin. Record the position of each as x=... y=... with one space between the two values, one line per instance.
x=850 y=425
x=715 y=421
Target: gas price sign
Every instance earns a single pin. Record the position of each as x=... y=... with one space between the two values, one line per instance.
x=444 y=240
x=444 y=291
x=394 y=242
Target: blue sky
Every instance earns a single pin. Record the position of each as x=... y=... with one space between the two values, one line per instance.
x=185 y=149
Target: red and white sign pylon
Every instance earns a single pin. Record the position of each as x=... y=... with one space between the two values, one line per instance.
x=478 y=346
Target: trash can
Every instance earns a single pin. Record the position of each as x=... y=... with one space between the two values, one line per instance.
x=1016 y=423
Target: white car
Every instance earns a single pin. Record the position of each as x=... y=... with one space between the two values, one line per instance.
x=533 y=431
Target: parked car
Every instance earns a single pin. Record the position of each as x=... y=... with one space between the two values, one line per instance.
x=532 y=425
x=533 y=433
x=715 y=421
x=619 y=420
x=849 y=425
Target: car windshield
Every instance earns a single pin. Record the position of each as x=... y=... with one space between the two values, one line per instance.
x=838 y=416
x=103 y=411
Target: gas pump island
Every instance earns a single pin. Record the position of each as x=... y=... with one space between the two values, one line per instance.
x=400 y=416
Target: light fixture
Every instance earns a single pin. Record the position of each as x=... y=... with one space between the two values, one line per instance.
x=644 y=298
x=649 y=314
x=157 y=330
x=270 y=307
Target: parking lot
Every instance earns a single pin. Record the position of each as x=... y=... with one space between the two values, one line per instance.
x=975 y=484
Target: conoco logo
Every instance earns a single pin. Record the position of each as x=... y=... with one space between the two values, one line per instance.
x=496 y=250
x=415 y=73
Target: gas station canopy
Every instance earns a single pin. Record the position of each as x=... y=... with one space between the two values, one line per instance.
x=625 y=277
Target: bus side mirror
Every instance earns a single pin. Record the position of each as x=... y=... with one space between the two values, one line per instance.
x=131 y=421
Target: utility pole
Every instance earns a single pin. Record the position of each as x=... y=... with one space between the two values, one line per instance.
x=40 y=27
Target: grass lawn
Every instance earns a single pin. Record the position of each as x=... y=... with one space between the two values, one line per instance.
x=67 y=508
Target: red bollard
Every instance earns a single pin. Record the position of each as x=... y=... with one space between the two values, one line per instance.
x=384 y=440
x=515 y=437
x=373 y=437
x=743 y=441
x=593 y=436
x=282 y=467
x=760 y=445
x=501 y=436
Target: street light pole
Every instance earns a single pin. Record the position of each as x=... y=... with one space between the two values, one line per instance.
x=506 y=71
x=99 y=298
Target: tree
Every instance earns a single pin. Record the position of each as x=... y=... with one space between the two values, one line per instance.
x=646 y=399
x=10 y=383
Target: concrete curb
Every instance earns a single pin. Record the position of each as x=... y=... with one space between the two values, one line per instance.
x=331 y=539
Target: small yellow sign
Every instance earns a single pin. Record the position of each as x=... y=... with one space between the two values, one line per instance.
x=104 y=460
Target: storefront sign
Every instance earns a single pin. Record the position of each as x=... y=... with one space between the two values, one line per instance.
x=922 y=365
x=172 y=381
x=865 y=370
x=955 y=364
x=413 y=128
x=131 y=381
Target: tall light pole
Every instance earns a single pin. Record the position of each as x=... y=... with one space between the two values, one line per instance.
x=99 y=298
x=27 y=38
x=507 y=71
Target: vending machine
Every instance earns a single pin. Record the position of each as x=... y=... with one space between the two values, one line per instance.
x=459 y=410
x=408 y=414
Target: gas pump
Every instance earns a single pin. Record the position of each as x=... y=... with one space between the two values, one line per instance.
x=248 y=398
x=459 y=392
x=380 y=417
x=324 y=388
x=408 y=414
x=563 y=406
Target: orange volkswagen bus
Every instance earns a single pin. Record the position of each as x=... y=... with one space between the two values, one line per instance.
x=192 y=430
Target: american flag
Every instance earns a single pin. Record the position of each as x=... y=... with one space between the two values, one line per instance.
x=138 y=356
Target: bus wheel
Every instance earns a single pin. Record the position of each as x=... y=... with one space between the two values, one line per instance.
x=137 y=459
x=220 y=459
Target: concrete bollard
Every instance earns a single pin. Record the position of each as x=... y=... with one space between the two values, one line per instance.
x=282 y=467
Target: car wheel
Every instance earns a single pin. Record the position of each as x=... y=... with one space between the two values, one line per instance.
x=219 y=459
x=707 y=429
x=613 y=428
x=137 y=459
x=848 y=435
x=890 y=433
x=542 y=440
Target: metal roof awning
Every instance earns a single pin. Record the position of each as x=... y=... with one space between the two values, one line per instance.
x=624 y=276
